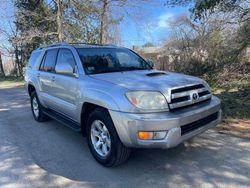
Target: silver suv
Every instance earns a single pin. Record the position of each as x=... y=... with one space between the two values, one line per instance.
x=116 y=99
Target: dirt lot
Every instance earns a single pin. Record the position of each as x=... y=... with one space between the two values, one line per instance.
x=50 y=155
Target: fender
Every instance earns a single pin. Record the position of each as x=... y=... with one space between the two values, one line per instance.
x=32 y=80
x=97 y=97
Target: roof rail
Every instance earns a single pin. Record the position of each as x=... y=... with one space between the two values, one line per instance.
x=73 y=43
x=58 y=44
x=83 y=43
x=93 y=44
x=52 y=45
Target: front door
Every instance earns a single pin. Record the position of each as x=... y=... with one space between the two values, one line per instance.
x=66 y=86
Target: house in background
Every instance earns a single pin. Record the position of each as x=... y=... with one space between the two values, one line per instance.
x=151 y=53
x=160 y=55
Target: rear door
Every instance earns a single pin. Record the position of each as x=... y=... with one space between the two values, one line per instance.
x=46 y=77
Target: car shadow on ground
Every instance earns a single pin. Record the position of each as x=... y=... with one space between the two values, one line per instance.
x=47 y=151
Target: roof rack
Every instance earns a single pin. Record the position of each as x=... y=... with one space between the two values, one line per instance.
x=58 y=44
x=84 y=43
x=91 y=44
x=74 y=43
x=52 y=45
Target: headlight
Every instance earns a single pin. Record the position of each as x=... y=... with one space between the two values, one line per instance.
x=148 y=100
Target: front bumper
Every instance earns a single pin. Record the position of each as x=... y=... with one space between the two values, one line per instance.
x=128 y=124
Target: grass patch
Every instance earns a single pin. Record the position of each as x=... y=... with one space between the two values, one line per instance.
x=235 y=100
x=11 y=80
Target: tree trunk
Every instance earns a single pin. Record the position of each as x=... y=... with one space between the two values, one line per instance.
x=1 y=66
x=18 y=63
x=59 y=21
x=104 y=22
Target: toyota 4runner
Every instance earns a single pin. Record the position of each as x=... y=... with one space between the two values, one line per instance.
x=116 y=99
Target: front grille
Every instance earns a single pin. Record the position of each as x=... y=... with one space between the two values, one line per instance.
x=178 y=90
x=189 y=95
x=199 y=123
x=203 y=93
x=190 y=105
x=180 y=99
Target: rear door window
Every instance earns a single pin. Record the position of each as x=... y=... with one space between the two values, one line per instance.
x=49 y=61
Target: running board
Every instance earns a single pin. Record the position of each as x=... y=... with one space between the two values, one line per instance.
x=62 y=119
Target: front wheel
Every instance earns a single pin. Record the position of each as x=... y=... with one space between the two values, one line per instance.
x=103 y=140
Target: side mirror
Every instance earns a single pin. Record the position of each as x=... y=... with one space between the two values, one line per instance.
x=64 y=68
x=151 y=63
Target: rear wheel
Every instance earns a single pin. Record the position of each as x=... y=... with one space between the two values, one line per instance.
x=103 y=140
x=37 y=109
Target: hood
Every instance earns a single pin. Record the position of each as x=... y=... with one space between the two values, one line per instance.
x=148 y=79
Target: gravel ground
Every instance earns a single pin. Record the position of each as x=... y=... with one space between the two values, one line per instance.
x=48 y=154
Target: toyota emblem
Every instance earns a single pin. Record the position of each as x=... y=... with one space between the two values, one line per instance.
x=195 y=96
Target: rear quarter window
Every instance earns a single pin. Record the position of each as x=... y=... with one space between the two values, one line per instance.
x=33 y=58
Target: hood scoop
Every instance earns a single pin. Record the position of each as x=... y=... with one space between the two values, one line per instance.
x=156 y=74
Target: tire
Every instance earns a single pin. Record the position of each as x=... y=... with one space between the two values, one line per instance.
x=117 y=153
x=37 y=109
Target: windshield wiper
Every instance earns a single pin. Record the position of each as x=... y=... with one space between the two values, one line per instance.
x=106 y=71
x=132 y=68
x=120 y=69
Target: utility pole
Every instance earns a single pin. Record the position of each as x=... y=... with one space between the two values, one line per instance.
x=59 y=21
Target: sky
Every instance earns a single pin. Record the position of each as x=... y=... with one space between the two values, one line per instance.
x=6 y=13
x=146 y=23
x=154 y=28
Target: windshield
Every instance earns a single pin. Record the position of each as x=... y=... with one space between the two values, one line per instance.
x=104 y=60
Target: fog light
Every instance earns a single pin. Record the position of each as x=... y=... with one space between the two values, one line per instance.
x=159 y=135
x=150 y=135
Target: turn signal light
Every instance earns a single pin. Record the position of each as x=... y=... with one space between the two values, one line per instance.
x=152 y=135
x=145 y=135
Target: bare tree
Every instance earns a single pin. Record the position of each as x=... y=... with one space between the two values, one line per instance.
x=59 y=21
x=1 y=65
x=104 y=22
x=196 y=48
x=112 y=13
x=238 y=9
